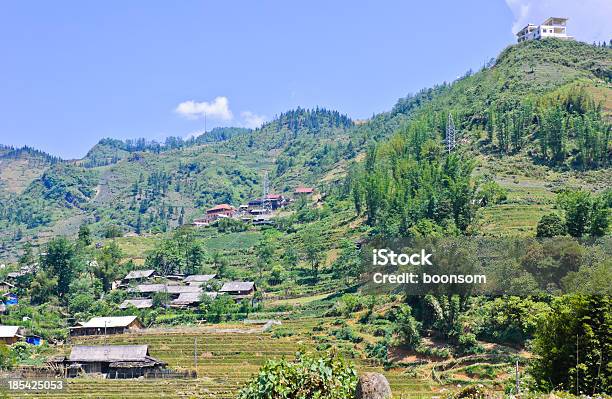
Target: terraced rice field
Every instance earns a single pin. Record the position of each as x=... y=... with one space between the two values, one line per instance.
x=225 y=361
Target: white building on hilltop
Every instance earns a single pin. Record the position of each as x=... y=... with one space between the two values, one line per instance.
x=552 y=27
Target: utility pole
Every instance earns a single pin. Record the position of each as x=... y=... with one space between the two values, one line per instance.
x=450 y=133
x=518 y=386
x=195 y=353
x=577 y=365
x=266 y=191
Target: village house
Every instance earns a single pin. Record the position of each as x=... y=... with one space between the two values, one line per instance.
x=552 y=27
x=139 y=275
x=173 y=291
x=107 y=325
x=219 y=211
x=239 y=289
x=5 y=286
x=113 y=361
x=188 y=299
x=199 y=279
x=299 y=191
x=10 y=334
x=137 y=303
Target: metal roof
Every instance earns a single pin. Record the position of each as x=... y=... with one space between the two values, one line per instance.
x=139 y=274
x=109 y=322
x=231 y=286
x=109 y=353
x=138 y=303
x=199 y=278
x=9 y=331
x=170 y=289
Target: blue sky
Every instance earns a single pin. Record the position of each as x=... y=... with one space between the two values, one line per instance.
x=72 y=72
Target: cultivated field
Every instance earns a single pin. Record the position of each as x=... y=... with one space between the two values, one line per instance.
x=225 y=361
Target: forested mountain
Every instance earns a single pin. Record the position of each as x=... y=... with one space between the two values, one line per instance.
x=542 y=106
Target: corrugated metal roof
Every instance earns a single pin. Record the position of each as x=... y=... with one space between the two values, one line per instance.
x=231 y=286
x=138 y=303
x=170 y=289
x=187 y=298
x=118 y=321
x=109 y=353
x=139 y=274
x=200 y=278
x=8 y=331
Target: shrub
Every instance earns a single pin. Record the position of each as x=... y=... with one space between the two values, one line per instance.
x=347 y=334
x=550 y=225
x=308 y=377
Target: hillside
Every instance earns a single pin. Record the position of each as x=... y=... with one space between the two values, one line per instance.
x=532 y=155
x=154 y=187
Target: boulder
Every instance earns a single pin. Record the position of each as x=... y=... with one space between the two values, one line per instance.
x=373 y=386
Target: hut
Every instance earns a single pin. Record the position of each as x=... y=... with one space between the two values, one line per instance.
x=114 y=361
x=139 y=275
x=10 y=334
x=239 y=289
x=188 y=299
x=107 y=325
x=137 y=303
x=198 y=279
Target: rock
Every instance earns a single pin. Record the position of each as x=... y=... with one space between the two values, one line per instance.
x=373 y=386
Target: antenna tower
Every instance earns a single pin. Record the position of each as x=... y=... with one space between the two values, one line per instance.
x=265 y=203
x=450 y=133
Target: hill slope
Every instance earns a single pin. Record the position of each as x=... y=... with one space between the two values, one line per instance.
x=144 y=186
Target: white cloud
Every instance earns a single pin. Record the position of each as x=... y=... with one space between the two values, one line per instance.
x=252 y=120
x=194 y=134
x=217 y=109
x=589 y=20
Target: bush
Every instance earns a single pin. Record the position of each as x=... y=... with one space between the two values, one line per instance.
x=329 y=377
x=551 y=225
x=347 y=334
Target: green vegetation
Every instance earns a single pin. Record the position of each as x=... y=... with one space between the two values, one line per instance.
x=306 y=377
x=532 y=158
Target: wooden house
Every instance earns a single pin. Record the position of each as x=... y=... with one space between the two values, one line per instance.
x=107 y=325
x=139 y=275
x=114 y=361
x=137 y=303
x=239 y=289
x=10 y=334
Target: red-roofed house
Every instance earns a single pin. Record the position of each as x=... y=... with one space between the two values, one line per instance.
x=219 y=211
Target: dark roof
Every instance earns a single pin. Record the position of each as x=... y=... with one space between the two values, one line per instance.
x=109 y=353
x=234 y=286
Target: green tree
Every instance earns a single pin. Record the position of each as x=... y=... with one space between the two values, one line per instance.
x=313 y=247
x=328 y=376
x=43 y=287
x=573 y=346
x=551 y=225
x=577 y=206
x=108 y=265
x=407 y=327
x=84 y=235
x=60 y=260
